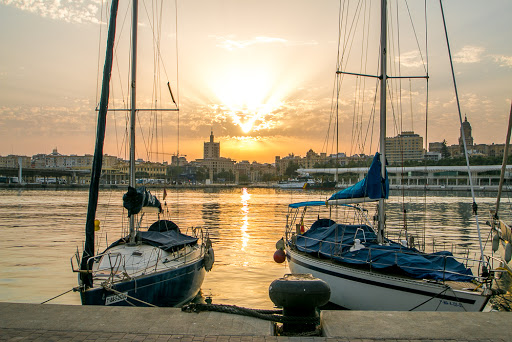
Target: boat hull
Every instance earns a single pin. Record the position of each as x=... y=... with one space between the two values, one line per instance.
x=357 y=289
x=168 y=288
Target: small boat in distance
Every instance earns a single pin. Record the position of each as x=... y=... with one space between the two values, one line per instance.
x=295 y=183
x=307 y=183
x=157 y=266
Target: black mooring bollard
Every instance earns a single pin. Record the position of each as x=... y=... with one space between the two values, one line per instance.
x=299 y=295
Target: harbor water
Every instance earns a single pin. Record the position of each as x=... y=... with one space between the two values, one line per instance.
x=42 y=229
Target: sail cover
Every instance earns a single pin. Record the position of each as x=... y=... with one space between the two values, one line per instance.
x=335 y=241
x=167 y=240
x=135 y=199
x=373 y=185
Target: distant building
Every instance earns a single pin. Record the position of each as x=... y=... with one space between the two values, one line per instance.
x=404 y=147
x=466 y=128
x=435 y=147
x=178 y=160
x=146 y=170
x=212 y=159
x=56 y=160
x=211 y=148
x=217 y=165
x=283 y=163
x=434 y=156
x=13 y=161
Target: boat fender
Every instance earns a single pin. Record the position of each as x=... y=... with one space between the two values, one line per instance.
x=209 y=259
x=495 y=242
x=96 y=225
x=280 y=244
x=508 y=252
x=357 y=245
x=279 y=256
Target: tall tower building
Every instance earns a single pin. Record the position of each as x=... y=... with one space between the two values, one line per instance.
x=211 y=148
x=466 y=130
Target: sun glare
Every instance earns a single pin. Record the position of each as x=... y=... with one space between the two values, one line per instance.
x=246 y=97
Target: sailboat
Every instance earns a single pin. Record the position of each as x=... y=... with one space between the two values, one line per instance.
x=340 y=242
x=160 y=266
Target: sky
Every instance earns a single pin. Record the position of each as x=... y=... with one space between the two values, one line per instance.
x=260 y=74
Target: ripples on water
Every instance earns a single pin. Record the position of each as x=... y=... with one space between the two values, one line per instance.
x=41 y=230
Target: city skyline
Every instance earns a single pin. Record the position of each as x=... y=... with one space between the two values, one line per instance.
x=260 y=74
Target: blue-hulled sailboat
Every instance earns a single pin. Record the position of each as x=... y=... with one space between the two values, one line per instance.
x=159 y=266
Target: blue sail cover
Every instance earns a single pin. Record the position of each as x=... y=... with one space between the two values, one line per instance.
x=334 y=241
x=372 y=186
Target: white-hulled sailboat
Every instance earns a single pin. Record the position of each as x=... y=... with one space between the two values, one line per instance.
x=337 y=241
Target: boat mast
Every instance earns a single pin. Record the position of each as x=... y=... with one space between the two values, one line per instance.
x=133 y=109
x=383 y=81
x=85 y=276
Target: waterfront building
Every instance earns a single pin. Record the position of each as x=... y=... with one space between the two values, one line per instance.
x=178 y=160
x=255 y=172
x=211 y=148
x=13 y=161
x=217 y=165
x=144 y=169
x=262 y=172
x=405 y=146
x=312 y=158
x=56 y=160
x=283 y=163
x=434 y=156
x=212 y=159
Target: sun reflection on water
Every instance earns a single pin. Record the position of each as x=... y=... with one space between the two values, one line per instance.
x=245 y=218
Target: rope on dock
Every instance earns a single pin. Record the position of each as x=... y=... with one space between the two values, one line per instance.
x=268 y=315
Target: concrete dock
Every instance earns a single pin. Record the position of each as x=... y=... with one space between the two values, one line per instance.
x=36 y=322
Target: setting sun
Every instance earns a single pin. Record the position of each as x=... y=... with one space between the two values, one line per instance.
x=245 y=95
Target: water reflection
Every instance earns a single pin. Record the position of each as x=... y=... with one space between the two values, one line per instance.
x=211 y=214
x=245 y=218
x=244 y=225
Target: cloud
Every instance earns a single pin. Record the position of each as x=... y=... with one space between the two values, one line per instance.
x=469 y=54
x=504 y=61
x=411 y=59
x=84 y=11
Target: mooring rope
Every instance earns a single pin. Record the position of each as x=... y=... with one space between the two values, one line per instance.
x=108 y=288
x=46 y=301
x=269 y=315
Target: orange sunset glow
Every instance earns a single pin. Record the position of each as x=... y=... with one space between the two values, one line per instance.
x=260 y=74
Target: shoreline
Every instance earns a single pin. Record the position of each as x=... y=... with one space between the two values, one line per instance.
x=442 y=188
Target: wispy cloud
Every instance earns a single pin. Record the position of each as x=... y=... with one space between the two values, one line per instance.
x=469 y=54
x=84 y=11
x=411 y=59
x=502 y=60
